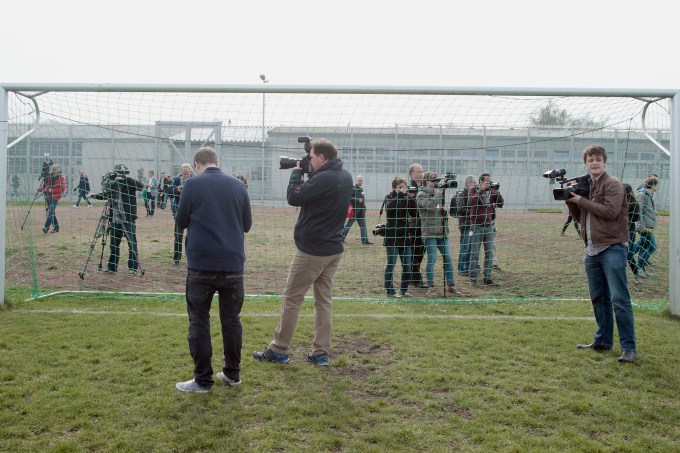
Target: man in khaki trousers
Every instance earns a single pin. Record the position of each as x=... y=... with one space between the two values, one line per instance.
x=323 y=200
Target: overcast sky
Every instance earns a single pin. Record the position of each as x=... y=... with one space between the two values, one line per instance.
x=576 y=43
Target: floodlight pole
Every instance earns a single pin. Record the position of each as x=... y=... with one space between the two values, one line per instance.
x=262 y=162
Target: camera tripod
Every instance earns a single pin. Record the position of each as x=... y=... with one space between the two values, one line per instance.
x=102 y=230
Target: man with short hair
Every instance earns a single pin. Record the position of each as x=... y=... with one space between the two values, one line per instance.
x=323 y=201
x=215 y=211
x=83 y=189
x=483 y=203
x=152 y=193
x=603 y=216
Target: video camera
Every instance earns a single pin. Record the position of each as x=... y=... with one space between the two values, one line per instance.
x=286 y=162
x=494 y=185
x=46 y=167
x=578 y=185
x=380 y=230
x=446 y=182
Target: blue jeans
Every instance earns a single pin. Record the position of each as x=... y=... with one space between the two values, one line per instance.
x=200 y=289
x=608 y=287
x=431 y=247
x=118 y=230
x=52 y=215
x=362 y=225
x=464 y=251
x=404 y=253
x=481 y=234
x=646 y=246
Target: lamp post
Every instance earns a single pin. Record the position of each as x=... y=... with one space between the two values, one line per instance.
x=264 y=80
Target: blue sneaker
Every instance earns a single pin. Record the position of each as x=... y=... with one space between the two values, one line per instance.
x=270 y=356
x=321 y=360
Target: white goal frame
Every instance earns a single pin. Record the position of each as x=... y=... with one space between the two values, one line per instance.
x=674 y=152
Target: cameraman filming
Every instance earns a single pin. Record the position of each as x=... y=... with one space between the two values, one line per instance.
x=397 y=241
x=52 y=187
x=120 y=191
x=323 y=199
x=176 y=190
x=603 y=216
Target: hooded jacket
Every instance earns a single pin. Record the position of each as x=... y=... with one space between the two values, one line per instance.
x=323 y=201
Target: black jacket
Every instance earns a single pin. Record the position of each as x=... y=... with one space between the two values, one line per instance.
x=123 y=188
x=358 y=202
x=323 y=199
x=398 y=209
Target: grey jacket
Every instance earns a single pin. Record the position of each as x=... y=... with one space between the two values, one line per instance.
x=434 y=221
x=647 y=213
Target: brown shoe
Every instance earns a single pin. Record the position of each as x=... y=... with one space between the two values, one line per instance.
x=432 y=292
x=454 y=291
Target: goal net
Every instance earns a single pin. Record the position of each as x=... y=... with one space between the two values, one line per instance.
x=515 y=139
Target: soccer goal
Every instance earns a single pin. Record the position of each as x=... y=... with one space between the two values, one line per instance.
x=515 y=135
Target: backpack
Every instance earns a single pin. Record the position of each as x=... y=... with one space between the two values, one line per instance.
x=633 y=210
x=458 y=206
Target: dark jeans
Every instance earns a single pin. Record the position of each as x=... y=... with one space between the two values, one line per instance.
x=82 y=195
x=630 y=256
x=416 y=259
x=464 y=251
x=118 y=230
x=52 y=215
x=177 y=247
x=404 y=253
x=200 y=289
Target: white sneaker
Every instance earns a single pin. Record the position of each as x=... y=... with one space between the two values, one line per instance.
x=89 y=205
x=191 y=387
x=232 y=383
x=75 y=206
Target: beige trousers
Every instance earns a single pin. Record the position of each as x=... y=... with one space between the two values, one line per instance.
x=307 y=270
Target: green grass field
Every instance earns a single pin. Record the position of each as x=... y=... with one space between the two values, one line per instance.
x=98 y=374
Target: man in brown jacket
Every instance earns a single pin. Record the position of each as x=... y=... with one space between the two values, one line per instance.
x=603 y=216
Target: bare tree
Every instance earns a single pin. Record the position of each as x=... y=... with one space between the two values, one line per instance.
x=552 y=115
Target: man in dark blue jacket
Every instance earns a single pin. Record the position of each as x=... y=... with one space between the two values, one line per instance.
x=323 y=199
x=215 y=210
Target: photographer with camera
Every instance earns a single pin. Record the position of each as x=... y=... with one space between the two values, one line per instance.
x=53 y=187
x=460 y=208
x=484 y=199
x=434 y=225
x=358 y=203
x=176 y=190
x=120 y=192
x=415 y=173
x=603 y=216
x=323 y=200
x=397 y=241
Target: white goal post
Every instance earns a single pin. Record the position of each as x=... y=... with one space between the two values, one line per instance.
x=170 y=131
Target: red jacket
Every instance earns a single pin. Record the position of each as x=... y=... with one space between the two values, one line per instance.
x=483 y=208
x=54 y=186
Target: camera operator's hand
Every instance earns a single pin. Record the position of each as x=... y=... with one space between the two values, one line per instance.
x=485 y=185
x=574 y=198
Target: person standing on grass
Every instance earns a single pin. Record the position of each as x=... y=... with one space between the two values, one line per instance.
x=646 y=246
x=358 y=203
x=323 y=199
x=53 y=188
x=603 y=216
x=83 y=189
x=215 y=210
